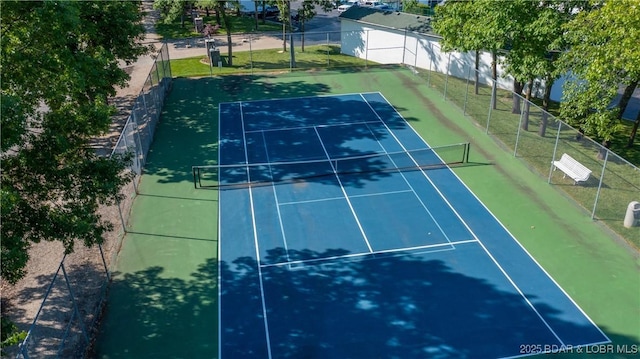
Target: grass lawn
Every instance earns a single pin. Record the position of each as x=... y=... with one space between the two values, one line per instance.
x=620 y=181
x=314 y=57
x=240 y=24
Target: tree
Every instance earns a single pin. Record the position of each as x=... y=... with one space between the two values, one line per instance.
x=60 y=63
x=454 y=23
x=537 y=39
x=172 y=9
x=284 y=6
x=474 y=26
x=603 y=56
x=307 y=11
x=228 y=26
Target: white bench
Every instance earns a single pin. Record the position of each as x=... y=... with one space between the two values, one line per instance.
x=572 y=168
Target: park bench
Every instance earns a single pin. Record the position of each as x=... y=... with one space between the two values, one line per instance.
x=572 y=168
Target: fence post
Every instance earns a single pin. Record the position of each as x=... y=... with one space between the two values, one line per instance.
x=250 y=54
x=555 y=149
x=124 y=226
x=104 y=262
x=404 y=46
x=515 y=146
x=446 y=79
x=75 y=304
x=466 y=91
x=595 y=203
x=328 y=52
x=493 y=94
x=366 y=51
x=415 y=58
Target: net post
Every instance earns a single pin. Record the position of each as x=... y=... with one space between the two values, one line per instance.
x=193 y=171
x=467 y=149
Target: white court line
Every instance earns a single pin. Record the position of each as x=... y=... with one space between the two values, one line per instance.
x=275 y=196
x=312 y=200
x=352 y=196
x=506 y=230
x=504 y=273
x=219 y=248
x=311 y=126
x=401 y=173
x=356 y=255
x=355 y=216
x=255 y=239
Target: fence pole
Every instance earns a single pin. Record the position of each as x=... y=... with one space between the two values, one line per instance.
x=104 y=263
x=250 y=54
x=404 y=46
x=515 y=146
x=466 y=91
x=493 y=94
x=415 y=58
x=595 y=203
x=446 y=79
x=328 y=52
x=366 y=51
x=555 y=149
x=75 y=304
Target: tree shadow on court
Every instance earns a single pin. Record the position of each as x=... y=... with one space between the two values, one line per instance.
x=153 y=315
x=404 y=306
x=187 y=134
x=396 y=306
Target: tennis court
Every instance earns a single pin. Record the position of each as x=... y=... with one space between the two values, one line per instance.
x=342 y=234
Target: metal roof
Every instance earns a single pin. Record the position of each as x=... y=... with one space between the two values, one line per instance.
x=390 y=19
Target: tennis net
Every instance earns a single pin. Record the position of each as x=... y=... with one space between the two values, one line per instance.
x=255 y=174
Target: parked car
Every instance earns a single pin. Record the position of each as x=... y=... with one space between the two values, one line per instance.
x=248 y=8
x=384 y=7
x=344 y=7
x=372 y=3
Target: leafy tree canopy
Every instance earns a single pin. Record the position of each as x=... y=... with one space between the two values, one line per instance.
x=603 y=55
x=59 y=64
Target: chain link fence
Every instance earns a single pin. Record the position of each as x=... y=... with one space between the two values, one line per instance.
x=520 y=126
x=538 y=138
x=65 y=322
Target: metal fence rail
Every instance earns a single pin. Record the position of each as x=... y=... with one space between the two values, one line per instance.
x=74 y=298
x=538 y=138
x=533 y=135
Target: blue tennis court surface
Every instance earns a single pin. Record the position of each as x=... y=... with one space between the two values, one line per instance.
x=349 y=262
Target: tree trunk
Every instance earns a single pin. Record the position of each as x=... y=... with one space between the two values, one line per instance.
x=548 y=83
x=227 y=26
x=477 y=73
x=284 y=35
x=603 y=150
x=634 y=131
x=527 y=106
x=292 y=49
x=517 y=91
x=302 y=33
x=626 y=97
x=229 y=48
x=255 y=14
